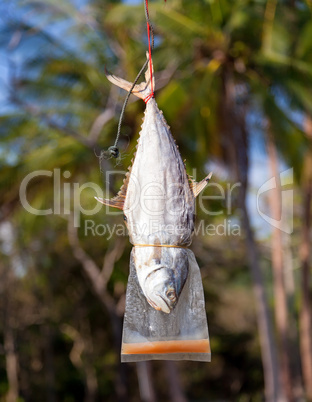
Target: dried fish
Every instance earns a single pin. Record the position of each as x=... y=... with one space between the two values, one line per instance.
x=158 y=201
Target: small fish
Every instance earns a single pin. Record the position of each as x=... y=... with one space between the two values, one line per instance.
x=158 y=201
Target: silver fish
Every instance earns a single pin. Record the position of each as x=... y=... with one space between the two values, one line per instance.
x=158 y=201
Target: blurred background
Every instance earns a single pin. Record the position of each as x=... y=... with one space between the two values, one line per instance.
x=233 y=78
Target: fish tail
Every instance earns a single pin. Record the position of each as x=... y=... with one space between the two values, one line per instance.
x=142 y=90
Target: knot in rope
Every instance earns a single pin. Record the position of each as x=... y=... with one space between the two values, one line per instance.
x=113 y=151
x=150 y=96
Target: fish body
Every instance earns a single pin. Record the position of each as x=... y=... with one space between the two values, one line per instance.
x=158 y=201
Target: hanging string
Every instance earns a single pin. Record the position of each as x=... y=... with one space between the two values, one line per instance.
x=150 y=45
x=113 y=151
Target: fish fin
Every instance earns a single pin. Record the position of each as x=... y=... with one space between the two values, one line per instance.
x=116 y=202
x=198 y=187
x=140 y=90
x=119 y=200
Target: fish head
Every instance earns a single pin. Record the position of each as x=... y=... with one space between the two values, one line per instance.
x=160 y=289
x=164 y=279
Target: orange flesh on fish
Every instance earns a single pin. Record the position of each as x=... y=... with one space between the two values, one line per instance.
x=185 y=346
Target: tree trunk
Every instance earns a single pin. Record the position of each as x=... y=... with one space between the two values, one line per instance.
x=144 y=370
x=81 y=356
x=305 y=310
x=236 y=136
x=11 y=361
x=295 y=362
x=49 y=363
x=267 y=342
x=174 y=383
x=281 y=316
x=11 y=357
x=91 y=384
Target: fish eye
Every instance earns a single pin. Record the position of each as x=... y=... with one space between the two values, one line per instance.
x=171 y=294
x=125 y=218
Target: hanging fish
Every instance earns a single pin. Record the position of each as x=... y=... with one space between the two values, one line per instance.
x=158 y=201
